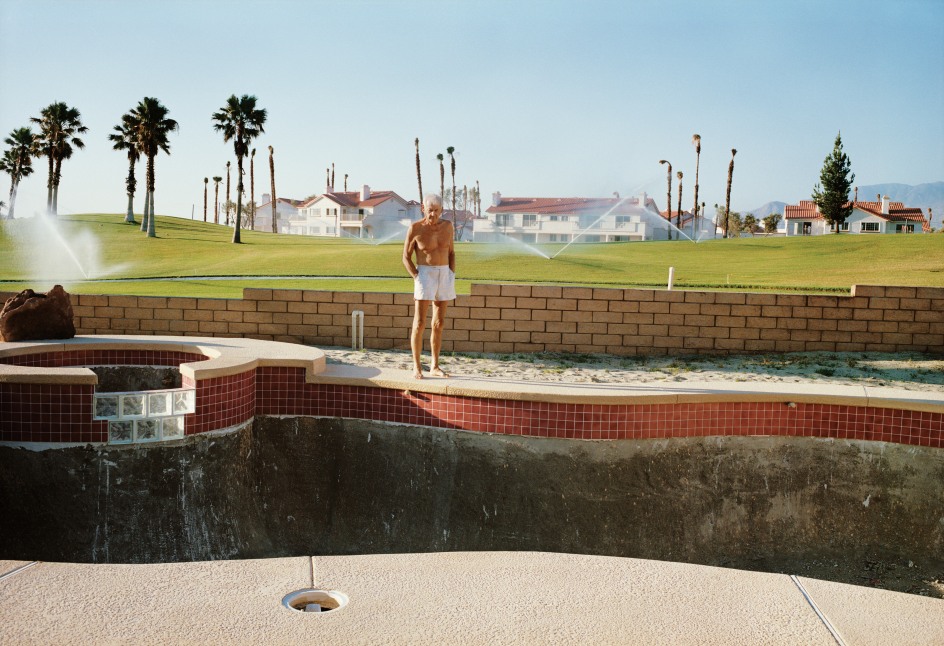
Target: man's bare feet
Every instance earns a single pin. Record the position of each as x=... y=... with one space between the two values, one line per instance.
x=417 y=373
x=438 y=372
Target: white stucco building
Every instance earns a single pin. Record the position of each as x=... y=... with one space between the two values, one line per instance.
x=882 y=216
x=562 y=219
x=355 y=214
x=285 y=210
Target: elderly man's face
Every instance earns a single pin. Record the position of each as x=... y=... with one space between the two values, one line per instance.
x=433 y=211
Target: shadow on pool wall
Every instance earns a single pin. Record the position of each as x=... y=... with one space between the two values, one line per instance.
x=290 y=486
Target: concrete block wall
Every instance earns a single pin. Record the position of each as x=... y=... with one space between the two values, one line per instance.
x=536 y=318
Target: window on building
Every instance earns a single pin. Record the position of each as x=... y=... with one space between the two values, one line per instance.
x=622 y=221
x=869 y=227
x=843 y=227
x=530 y=220
x=904 y=228
x=504 y=220
x=559 y=218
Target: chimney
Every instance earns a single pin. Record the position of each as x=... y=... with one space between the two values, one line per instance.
x=855 y=197
x=496 y=198
x=365 y=193
x=884 y=205
x=266 y=198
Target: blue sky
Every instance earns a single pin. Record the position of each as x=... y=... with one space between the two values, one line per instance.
x=549 y=98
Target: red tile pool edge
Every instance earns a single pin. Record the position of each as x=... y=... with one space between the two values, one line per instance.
x=61 y=413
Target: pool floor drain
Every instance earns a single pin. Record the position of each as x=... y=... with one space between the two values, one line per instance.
x=311 y=600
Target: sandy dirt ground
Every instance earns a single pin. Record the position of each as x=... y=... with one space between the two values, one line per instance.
x=910 y=371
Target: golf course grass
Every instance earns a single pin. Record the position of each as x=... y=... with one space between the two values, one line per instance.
x=106 y=248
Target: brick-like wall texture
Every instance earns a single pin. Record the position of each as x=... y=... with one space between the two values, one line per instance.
x=531 y=318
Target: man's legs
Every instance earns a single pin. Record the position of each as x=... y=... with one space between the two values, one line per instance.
x=435 y=336
x=416 y=336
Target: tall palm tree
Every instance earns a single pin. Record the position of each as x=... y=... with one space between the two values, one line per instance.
x=17 y=160
x=328 y=188
x=226 y=206
x=696 y=139
x=240 y=121
x=442 y=175
x=452 y=163
x=678 y=214
x=419 y=177
x=272 y=175
x=154 y=126
x=345 y=182
x=332 y=176
x=206 y=181
x=668 y=194
x=216 y=198
x=59 y=126
x=727 y=194
x=252 y=188
x=125 y=137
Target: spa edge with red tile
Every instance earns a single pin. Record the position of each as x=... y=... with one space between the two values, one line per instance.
x=63 y=413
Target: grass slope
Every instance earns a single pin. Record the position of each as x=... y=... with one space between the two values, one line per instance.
x=30 y=256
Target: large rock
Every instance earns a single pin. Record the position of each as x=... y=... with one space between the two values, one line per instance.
x=29 y=316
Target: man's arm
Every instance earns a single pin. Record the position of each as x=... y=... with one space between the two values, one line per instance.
x=408 y=243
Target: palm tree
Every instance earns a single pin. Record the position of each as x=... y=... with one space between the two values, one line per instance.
x=206 y=181
x=125 y=137
x=668 y=195
x=272 y=175
x=153 y=127
x=252 y=188
x=727 y=194
x=226 y=206
x=452 y=163
x=332 y=176
x=345 y=182
x=58 y=126
x=240 y=121
x=216 y=198
x=419 y=177
x=678 y=214
x=696 y=139
x=442 y=175
x=17 y=161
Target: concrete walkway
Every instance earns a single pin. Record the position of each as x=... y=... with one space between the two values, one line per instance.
x=450 y=598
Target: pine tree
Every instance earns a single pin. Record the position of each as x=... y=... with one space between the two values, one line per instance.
x=831 y=194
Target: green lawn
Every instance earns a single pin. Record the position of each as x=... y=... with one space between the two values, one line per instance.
x=185 y=248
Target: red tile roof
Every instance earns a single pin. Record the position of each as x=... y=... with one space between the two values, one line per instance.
x=807 y=210
x=353 y=198
x=565 y=205
x=283 y=200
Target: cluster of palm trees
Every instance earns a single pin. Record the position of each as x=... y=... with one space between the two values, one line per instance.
x=58 y=137
x=696 y=141
x=142 y=132
x=467 y=196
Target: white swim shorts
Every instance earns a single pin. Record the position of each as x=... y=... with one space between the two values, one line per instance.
x=434 y=283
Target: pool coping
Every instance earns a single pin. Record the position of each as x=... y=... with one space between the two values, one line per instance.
x=230 y=356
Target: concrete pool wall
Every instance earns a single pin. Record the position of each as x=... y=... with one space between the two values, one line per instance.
x=340 y=460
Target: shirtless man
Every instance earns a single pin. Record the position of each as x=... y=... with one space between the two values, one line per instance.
x=434 y=279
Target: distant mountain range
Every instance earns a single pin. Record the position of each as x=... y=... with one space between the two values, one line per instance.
x=922 y=196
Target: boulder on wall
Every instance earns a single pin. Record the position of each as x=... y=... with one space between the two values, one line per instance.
x=29 y=316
